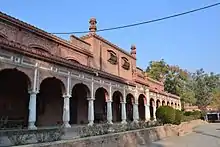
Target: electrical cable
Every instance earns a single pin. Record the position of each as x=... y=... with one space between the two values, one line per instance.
x=144 y=22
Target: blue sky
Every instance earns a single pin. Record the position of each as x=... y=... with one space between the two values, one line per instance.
x=191 y=41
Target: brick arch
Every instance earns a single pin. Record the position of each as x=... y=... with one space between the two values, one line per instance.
x=79 y=104
x=163 y=102
x=141 y=106
x=131 y=97
x=100 y=105
x=130 y=100
x=14 y=96
x=28 y=71
x=51 y=93
x=43 y=74
x=73 y=59
x=143 y=96
x=158 y=103
x=106 y=90
x=152 y=107
x=74 y=82
x=117 y=98
x=118 y=91
x=40 y=48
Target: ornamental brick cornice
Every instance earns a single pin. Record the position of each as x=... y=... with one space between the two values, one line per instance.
x=107 y=42
x=154 y=81
x=142 y=82
x=33 y=29
x=25 y=50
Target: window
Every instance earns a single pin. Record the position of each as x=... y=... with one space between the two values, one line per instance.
x=112 y=57
x=40 y=49
x=125 y=63
x=73 y=60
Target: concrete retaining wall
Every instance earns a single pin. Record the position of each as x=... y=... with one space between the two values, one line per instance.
x=129 y=138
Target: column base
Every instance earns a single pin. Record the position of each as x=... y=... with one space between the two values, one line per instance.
x=123 y=122
x=31 y=126
x=110 y=122
x=91 y=123
x=147 y=120
x=135 y=121
x=66 y=125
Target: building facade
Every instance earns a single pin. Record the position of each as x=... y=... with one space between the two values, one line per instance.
x=48 y=81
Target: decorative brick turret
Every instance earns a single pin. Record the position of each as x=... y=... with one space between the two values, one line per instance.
x=133 y=50
x=92 y=26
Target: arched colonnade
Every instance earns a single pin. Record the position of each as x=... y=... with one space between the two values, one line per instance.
x=51 y=101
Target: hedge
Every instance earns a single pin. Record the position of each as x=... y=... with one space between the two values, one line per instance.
x=165 y=114
x=168 y=115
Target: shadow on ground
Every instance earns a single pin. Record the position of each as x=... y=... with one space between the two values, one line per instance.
x=153 y=144
x=206 y=134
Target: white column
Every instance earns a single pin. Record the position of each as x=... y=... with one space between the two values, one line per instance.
x=91 y=106
x=66 y=104
x=33 y=101
x=109 y=112
x=66 y=111
x=91 y=112
x=154 y=111
x=147 y=105
x=32 y=110
x=135 y=112
x=123 y=108
x=147 y=112
x=180 y=107
x=123 y=113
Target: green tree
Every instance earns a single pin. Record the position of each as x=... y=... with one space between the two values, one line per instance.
x=187 y=93
x=157 y=70
x=175 y=79
x=216 y=99
x=204 y=86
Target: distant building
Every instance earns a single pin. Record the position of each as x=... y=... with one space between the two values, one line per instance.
x=190 y=107
x=48 y=81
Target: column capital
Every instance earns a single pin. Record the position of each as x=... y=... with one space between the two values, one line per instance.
x=109 y=101
x=66 y=96
x=90 y=99
x=135 y=103
x=147 y=90
x=146 y=105
x=33 y=92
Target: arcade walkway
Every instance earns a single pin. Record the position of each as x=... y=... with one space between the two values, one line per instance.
x=203 y=136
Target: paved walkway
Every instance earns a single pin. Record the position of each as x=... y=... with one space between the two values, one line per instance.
x=203 y=136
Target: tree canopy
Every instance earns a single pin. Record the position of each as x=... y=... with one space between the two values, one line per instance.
x=198 y=87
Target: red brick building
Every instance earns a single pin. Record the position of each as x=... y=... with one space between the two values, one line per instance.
x=46 y=81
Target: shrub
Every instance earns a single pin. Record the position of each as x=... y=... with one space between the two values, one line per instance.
x=102 y=129
x=49 y=135
x=94 y=130
x=196 y=114
x=187 y=113
x=203 y=114
x=188 y=118
x=192 y=115
x=178 y=117
x=18 y=137
x=165 y=114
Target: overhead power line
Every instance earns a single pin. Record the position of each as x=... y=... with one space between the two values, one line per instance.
x=144 y=22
